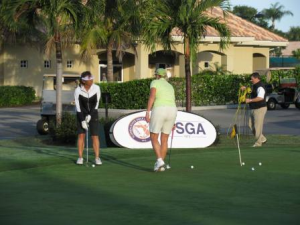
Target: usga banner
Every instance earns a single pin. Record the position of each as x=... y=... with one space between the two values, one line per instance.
x=192 y=131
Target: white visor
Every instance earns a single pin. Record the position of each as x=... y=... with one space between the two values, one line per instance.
x=88 y=78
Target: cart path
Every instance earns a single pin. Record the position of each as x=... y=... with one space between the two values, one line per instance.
x=18 y=121
x=21 y=121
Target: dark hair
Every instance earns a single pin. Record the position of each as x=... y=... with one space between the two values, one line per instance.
x=84 y=74
x=255 y=75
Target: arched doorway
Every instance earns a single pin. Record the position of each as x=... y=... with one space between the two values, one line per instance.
x=210 y=60
x=259 y=62
x=122 y=71
x=169 y=60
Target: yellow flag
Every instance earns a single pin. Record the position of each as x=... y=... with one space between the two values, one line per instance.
x=234 y=131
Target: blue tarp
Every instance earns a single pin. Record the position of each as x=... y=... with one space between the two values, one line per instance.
x=284 y=62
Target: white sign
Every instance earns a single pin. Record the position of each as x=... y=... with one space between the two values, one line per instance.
x=192 y=131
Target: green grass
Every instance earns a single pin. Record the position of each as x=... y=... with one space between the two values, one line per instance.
x=40 y=184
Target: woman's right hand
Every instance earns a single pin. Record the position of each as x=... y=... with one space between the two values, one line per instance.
x=147 y=117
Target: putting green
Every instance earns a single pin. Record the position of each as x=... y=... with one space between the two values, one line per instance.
x=40 y=184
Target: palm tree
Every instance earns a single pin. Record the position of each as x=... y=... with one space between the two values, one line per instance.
x=191 y=18
x=294 y=34
x=11 y=32
x=55 y=20
x=276 y=12
x=114 y=29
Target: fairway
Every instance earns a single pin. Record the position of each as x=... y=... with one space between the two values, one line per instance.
x=40 y=184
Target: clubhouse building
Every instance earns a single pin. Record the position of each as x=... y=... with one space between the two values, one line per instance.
x=248 y=51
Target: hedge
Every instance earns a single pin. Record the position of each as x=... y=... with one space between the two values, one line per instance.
x=206 y=90
x=16 y=95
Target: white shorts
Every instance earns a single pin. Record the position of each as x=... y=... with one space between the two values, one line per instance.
x=162 y=119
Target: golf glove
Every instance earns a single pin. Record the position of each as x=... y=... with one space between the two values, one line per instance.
x=88 y=118
x=84 y=125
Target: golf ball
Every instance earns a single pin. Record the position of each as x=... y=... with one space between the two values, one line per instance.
x=243 y=163
x=192 y=167
x=252 y=168
x=260 y=163
x=93 y=165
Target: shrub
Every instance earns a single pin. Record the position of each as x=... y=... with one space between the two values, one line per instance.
x=128 y=95
x=206 y=90
x=66 y=132
x=16 y=95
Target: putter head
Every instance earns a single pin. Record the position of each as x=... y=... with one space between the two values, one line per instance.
x=168 y=167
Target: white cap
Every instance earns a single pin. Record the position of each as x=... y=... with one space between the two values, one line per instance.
x=88 y=78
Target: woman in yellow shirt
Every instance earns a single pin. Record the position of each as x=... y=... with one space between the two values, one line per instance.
x=163 y=109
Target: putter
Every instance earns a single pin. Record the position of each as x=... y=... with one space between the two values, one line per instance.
x=169 y=161
x=87 y=147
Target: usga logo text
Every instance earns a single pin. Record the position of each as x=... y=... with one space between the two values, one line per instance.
x=190 y=128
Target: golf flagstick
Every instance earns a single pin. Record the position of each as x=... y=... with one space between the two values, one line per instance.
x=238 y=143
x=235 y=133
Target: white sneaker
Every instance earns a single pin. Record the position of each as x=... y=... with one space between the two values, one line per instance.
x=161 y=169
x=79 y=161
x=256 y=145
x=159 y=164
x=98 y=161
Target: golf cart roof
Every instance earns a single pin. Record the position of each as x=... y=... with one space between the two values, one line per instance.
x=281 y=68
x=64 y=75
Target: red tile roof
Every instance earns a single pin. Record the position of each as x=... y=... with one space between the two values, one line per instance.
x=292 y=46
x=239 y=28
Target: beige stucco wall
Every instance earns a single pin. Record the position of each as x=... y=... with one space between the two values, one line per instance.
x=245 y=63
x=243 y=60
x=33 y=74
x=210 y=57
x=237 y=59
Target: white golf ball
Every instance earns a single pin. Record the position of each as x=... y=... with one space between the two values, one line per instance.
x=93 y=165
x=243 y=163
x=192 y=167
x=260 y=163
x=252 y=168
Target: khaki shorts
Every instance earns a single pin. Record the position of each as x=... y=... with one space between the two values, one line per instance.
x=162 y=119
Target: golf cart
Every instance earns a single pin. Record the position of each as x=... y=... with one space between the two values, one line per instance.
x=48 y=104
x=284 y=93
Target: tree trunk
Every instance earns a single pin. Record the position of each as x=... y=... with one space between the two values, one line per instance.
x=187 y=75
x=58 y=79
x=273 y=24
x=110 y=73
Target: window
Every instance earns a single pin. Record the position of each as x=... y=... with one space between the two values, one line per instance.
x=70 y=63
x=47 y=64
x=206 y=64
x=24 y=63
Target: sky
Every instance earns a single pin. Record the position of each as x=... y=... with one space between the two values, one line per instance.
x=286 y=22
